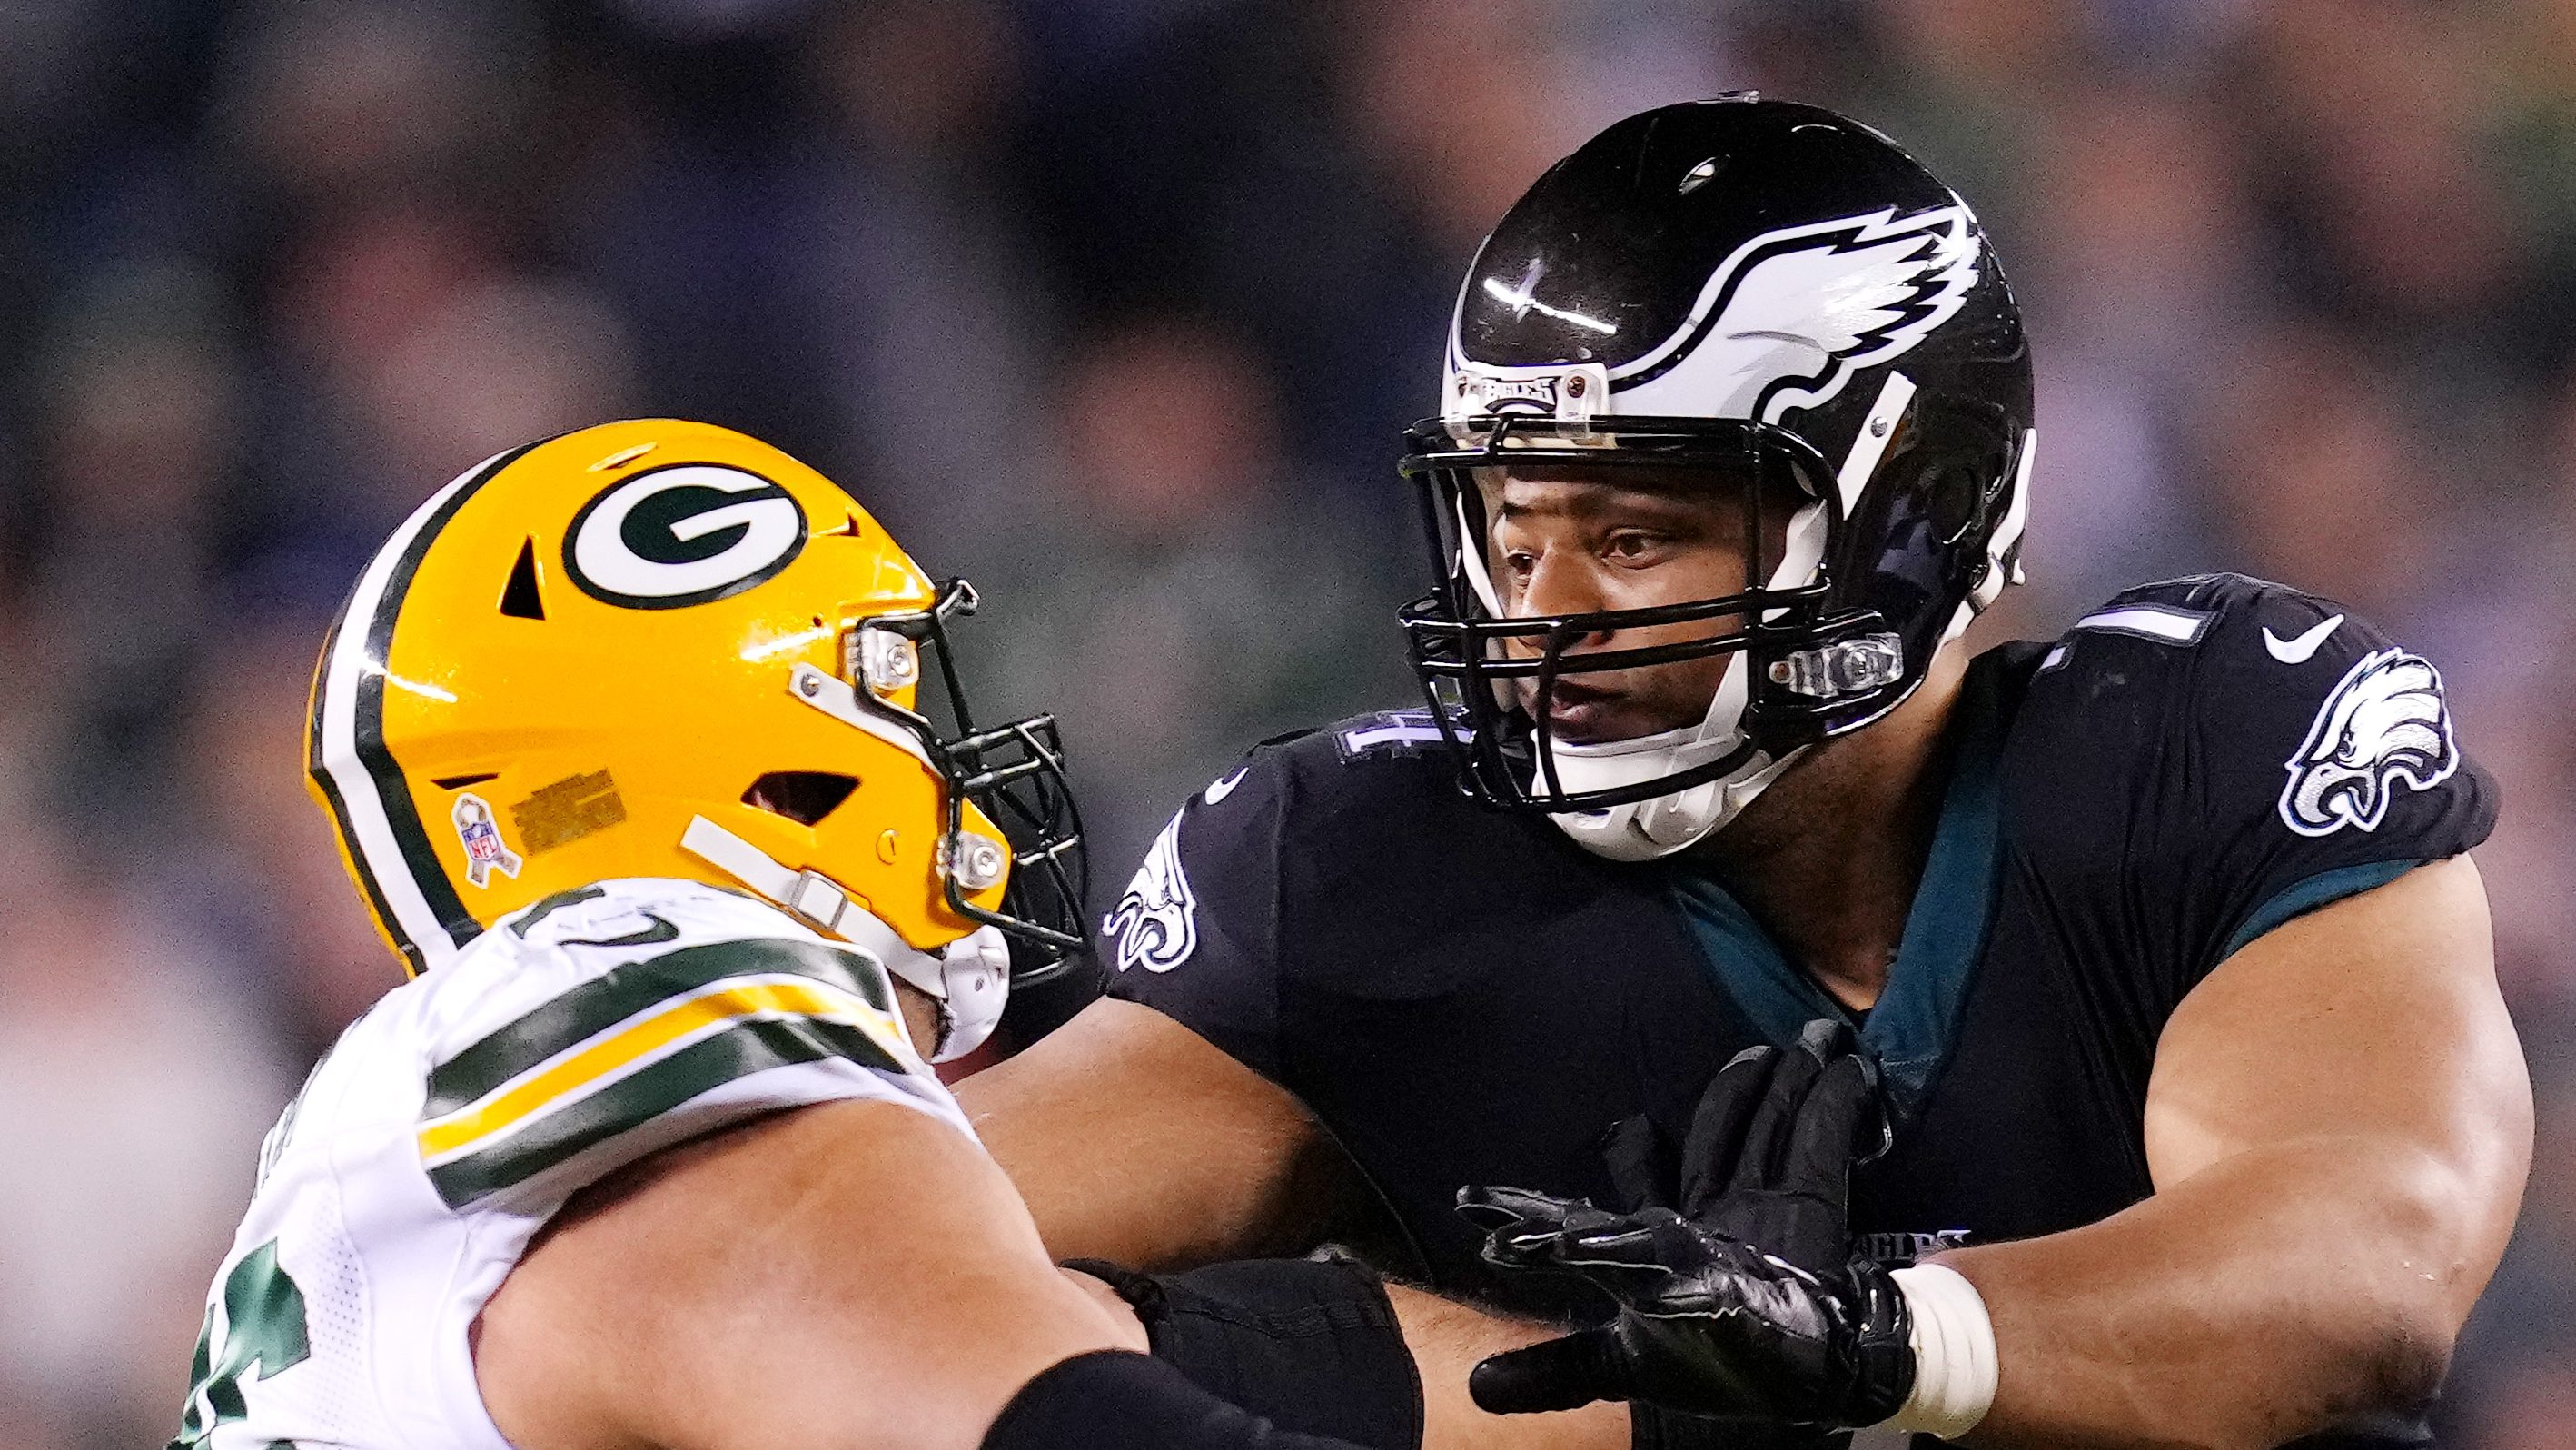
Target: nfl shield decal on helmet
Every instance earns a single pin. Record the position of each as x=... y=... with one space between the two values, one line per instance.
x=1155 y=925
x=485 y=852
x=2385 y=726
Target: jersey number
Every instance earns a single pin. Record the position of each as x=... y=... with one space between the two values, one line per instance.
x=263 y=1333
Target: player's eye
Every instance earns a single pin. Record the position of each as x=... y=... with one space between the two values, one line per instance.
x=1633 y=546
x=1519 y=563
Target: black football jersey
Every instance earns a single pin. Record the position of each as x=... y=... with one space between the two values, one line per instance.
x=1465 y=996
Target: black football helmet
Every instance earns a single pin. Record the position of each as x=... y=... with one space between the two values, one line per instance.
x=1754 y=295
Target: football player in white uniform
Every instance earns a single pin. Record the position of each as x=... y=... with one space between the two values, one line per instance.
x=628 y=743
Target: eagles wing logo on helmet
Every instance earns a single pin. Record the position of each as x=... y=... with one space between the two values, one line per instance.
x=690 y=533
x=1753 y=283
x=1789 y=316
x=1155 y=925
x=2386 y=723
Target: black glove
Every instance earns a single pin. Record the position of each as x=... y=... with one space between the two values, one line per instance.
x=1771 y=1146
x=1707 y=1324
x=1766 y=1159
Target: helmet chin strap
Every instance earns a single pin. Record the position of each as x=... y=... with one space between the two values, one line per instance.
x=970 y=978
x=1661 y=825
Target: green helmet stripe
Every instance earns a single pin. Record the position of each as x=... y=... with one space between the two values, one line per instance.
x=339 y=804
x=419 y=855
x=384 y=830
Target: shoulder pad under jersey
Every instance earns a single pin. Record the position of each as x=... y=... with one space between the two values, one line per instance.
x=595 y=1012
x=2238 y=752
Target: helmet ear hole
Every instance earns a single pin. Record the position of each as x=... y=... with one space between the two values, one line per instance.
x=1954 y=496
x=802 y=796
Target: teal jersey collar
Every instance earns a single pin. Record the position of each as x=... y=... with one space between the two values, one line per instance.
x=1917 y=1015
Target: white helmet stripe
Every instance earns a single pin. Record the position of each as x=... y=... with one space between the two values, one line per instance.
x=1471 y=556
x=1870 y=444
x=2003 y=546
x=365 y=819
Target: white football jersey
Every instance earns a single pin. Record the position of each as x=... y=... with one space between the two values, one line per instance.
x=449 y=1123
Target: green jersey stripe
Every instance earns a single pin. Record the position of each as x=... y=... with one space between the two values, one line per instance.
x=528 y=916
x=749 y=1046
x=595 y=1006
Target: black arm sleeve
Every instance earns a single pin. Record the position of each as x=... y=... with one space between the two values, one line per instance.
x=1311 y=1344
x=1114 y=1400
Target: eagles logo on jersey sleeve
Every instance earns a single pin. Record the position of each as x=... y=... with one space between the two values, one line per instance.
x=2275 y=753
x=2384 y=731
x=1195 y=934
x=1155 y=923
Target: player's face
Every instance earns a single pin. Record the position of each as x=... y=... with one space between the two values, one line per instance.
x=1582 y=540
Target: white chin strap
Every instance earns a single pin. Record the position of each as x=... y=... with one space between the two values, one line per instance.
x=1661 y=825
x=970 y=977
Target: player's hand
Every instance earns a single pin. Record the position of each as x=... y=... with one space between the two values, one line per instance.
x=1707 y=1324
x=1770 y=1150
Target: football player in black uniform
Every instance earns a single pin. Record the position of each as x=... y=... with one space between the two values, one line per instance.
x=2209 y=1124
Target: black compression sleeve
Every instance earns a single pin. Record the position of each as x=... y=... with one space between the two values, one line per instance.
x=1311 y=1345
x=1114 y=1400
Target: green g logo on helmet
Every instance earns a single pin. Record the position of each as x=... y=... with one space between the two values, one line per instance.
x=690 y=533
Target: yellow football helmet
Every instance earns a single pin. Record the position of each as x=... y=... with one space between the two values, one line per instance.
x=660 y=648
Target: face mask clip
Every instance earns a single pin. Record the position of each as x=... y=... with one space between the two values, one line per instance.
x=1846 y=667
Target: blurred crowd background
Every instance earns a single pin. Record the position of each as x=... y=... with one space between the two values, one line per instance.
x=1116 y=306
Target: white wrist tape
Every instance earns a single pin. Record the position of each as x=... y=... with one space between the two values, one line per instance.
x=1954 y=1354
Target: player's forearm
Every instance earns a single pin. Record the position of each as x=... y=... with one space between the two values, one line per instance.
x=1447 y=1339
x=838 y=1275
x=2269 y=1296
x=1133 y=1139
x=1138 y=1195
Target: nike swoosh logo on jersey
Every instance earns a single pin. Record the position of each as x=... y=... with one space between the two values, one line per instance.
x=2297 y=649
x=659 y=931
x=1225 y=787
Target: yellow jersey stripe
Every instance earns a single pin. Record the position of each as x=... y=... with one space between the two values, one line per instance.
x=533 y=1094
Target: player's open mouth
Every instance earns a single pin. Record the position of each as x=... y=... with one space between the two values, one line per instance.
x=1579 y=713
